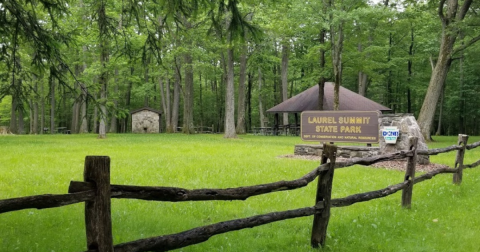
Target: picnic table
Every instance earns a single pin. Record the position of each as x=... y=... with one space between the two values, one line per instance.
x=263 y=131
x=59 y=130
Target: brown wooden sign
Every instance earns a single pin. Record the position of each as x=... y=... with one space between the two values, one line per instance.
x=340 y=126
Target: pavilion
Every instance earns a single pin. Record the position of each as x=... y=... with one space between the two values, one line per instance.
x=308 y=100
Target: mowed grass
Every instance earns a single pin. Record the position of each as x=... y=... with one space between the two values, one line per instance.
x=444 y=217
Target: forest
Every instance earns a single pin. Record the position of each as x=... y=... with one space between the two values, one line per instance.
x=85 y=64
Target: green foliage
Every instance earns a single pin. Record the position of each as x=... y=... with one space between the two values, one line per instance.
x=5 y=109
x=45 y=165
x=149 y=41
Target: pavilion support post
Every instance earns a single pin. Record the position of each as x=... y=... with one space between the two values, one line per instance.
x=296 y=125
x=324 y=193
x=275 y=127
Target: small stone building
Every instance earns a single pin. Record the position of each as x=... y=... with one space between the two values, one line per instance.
x=146 y=120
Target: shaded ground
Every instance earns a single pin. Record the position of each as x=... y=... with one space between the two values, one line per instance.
x=399 y=165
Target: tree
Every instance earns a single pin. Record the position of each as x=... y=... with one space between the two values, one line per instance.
x=241 y=83
x=230 y=95
x=104 y=57
x=451 y=15
x=188 y=104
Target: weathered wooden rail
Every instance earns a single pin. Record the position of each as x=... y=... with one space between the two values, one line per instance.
x=96 y=191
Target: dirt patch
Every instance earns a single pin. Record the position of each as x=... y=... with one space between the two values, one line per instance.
x=399 y=165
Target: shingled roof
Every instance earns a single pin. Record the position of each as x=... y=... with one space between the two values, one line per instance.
x=308 y=100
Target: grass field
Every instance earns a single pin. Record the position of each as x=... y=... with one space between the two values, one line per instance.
x=444 y=217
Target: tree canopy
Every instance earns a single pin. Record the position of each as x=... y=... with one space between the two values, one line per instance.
x=84 y=64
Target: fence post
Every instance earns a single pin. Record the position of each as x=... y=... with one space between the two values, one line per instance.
x=98 y=221
x=410 y=173
x=324 y=193
x=457 y=177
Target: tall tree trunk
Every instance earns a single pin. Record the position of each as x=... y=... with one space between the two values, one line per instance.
x=75 y=116
x=166 y=104
x=284 y=76
x=113 y=114
x=336 y=33
x=64 y=106
x=276 y=90
x=35 y=109
x=362 y=77
x=230 y=95
x=16 y=87
x=410 y=71
x=76 y=103
x=440 y=114
x=145 y=80
x=388 y=96
x=82 y=123
x=83 y=99
x=188 y=126
x=439 y=73
x=13 y=115
x=20 y=104
x=437 y=81
x=389 y=100
x=95 y=119
x=201 y=99
x=42 y=100
x=21 y=122
x=52 y=102
x=83 y=110
x=461 y=99
x=241 y=90
x=362 y=83
x=128 y=96
x=103 y=80
x=241 y=106
x=260 y=100
x=169 y=107
x=249 y=100
x=30 y=110
x=176 y=96
x=322 y=80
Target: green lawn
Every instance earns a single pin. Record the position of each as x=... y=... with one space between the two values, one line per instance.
x=444 y=217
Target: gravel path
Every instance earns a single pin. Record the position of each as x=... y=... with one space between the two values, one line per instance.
x=399 y=165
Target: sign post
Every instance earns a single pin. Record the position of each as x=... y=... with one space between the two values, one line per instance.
x=340 y=126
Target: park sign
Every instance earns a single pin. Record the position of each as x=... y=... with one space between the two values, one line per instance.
x=340 y=126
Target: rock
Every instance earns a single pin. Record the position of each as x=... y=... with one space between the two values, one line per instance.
x=407 y=126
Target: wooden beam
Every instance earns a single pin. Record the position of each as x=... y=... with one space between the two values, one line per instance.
x=175 y=194
x=324 y=193
x=201 y=234
x=457 y=177
x=98 y=220
x=44 y=201
x=410 y=173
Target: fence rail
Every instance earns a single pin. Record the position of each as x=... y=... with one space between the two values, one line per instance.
x=96 y=191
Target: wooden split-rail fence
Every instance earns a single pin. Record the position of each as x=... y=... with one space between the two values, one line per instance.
x=96 y=191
